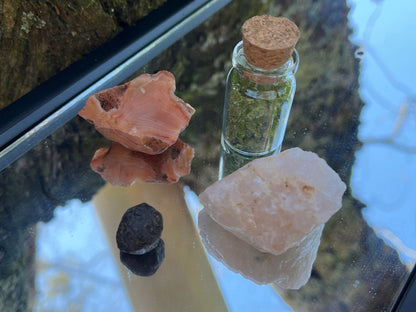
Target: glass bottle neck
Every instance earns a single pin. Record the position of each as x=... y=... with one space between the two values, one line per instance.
x=261 y=75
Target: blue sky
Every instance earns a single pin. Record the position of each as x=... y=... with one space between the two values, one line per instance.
x=384 y=176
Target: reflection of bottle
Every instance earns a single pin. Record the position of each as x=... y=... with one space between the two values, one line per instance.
x=259 y=91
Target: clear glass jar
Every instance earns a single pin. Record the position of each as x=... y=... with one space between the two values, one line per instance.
x=256 y=110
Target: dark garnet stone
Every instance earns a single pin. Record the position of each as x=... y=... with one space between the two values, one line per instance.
x=139 y=229
x=146 y=264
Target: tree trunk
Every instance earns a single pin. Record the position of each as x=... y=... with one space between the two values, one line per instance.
x=40 y=38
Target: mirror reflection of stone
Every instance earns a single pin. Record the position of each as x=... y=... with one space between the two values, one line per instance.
x=289 y=270
x=138 y=238
x=273 y=202
x=265 y=219
x=121 y=166
x=143 y=118
x=145 y=264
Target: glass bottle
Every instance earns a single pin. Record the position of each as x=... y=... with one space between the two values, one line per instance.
x=256 y=108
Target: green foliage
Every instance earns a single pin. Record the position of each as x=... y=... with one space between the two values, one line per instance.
x=255 y=113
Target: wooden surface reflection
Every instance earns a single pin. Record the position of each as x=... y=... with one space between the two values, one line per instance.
x=185 y=281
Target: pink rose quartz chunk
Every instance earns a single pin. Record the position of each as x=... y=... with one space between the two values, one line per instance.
x=143 y=115
x=121 y=166
x=273 y=202
x=289 y=270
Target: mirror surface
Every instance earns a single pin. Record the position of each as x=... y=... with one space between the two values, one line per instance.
x=354 y=107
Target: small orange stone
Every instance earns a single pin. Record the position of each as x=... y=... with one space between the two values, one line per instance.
x=143 y=114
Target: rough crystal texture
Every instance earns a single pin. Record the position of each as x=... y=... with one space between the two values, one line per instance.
x=143 y=114
x=273 y=202
x=121 y=166
x=289 y=270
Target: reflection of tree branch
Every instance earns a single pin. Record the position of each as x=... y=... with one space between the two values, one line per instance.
x=407 y=149
x=401 y=118
x=366 y=40
x=406 y=107
x=389 y=75
x=378 y=98
x=371 y=21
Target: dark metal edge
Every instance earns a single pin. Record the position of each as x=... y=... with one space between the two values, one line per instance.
x=406 y=302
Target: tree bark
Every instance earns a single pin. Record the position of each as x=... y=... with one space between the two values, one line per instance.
x=40 y=38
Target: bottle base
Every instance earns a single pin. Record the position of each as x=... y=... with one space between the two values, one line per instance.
x=232 y=159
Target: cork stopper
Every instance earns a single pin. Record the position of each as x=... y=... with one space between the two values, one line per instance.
x=268 y=41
